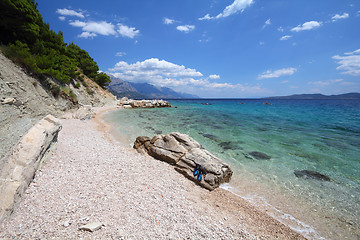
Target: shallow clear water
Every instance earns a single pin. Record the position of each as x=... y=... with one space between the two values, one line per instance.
x=318 y=135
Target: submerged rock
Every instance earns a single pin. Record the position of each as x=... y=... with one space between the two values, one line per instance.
x=188 y=156
x=311 y=174
x=260 y=155
x=230 y=146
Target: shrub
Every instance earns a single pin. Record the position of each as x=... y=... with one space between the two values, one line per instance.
x=55 y=89
x=77 y=85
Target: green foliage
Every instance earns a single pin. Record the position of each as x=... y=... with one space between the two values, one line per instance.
x=77 y=85
x=102 y=79
x=32 y=44
x=55 y=90
x=69 y=94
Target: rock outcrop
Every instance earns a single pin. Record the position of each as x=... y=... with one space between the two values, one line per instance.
x=130 y=103
x=19 y=169
x=188 y=156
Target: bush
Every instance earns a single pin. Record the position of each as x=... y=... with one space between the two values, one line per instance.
x=77 y=85
x=55 y=89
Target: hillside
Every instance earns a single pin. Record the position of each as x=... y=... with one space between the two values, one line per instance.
x=319 y=96
x=143 y=90
x=24 y=100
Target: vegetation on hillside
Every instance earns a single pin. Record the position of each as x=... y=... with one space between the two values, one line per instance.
x=30 y=42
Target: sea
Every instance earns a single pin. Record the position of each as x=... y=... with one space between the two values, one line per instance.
x=293 y=135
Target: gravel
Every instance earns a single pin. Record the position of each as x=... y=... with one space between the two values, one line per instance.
x=93 y=178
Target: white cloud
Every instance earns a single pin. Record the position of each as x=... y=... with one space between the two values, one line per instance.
x=280 y=29
x=77 y=23
x=102 y=28
x=307 y=26
x=214 y=76
x=352 y=53
x=69 y=12
x=206 y=17
x=185 y=28
x=350 y=63
x=267 y=23
x=62 y=18
x=168 y=21
x=261 y=43
x=92 y=29
x=126 y=31
x=236 y=6
x=167 y=74
x=277 y=73
x=338 y=17
x=326 y=83
x=158 y=72
x=87 y=35
x=120 y=54
x=286 y=37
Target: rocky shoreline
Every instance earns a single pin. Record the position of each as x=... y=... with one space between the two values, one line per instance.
x=131 y=103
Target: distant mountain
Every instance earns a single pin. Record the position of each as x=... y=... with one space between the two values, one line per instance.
x=319 y=96
x=122 y=88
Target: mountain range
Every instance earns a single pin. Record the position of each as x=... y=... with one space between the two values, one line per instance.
x=319 y=96
x=122 y=88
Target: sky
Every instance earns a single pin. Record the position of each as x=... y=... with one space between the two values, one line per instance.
x=219 y=48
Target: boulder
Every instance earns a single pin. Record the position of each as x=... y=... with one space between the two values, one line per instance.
x=188 y=157
x=84 y=113
x=19 y=169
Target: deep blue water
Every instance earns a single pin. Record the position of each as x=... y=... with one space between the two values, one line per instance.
x=317 y=135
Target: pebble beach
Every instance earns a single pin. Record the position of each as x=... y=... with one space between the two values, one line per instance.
x=91 y=177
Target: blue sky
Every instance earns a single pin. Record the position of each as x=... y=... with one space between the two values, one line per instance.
x=213 y=48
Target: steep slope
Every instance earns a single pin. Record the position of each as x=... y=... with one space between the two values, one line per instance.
x=24 y=100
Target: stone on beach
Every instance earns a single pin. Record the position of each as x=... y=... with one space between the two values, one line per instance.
x=91 y=227
x=185 y=153
x=19 y=169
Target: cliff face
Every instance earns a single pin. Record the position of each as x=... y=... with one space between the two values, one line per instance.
x=24 y=101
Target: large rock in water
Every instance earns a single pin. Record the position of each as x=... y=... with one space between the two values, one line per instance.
x=186 y=155
x=149 y=104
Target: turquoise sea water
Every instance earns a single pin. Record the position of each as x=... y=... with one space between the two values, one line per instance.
x=317 y=135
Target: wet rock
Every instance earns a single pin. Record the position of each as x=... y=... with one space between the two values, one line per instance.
x=211 y=137
x=311 y=175
x=230 y=146
x=187 y=155
x=260 y=155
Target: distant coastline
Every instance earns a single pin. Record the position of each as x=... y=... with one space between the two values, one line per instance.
x=318 y=96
